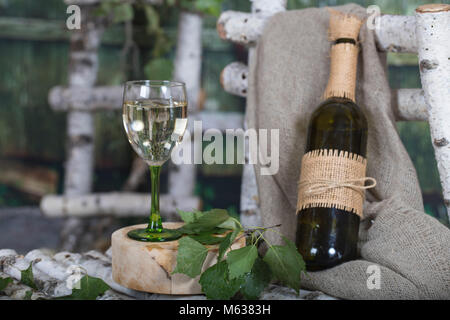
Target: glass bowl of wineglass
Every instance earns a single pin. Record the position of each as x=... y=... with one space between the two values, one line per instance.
x=155 y=119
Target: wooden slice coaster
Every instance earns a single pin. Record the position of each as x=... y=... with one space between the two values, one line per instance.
x=148 y=266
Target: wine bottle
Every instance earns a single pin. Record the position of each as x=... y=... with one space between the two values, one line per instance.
x=332 y=180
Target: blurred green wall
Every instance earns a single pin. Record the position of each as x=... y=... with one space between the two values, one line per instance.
x=33 y=62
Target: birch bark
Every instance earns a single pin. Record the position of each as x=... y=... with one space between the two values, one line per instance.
x=433 y=40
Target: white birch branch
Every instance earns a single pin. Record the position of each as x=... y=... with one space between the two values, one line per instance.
x=85 y=98
x=53 y=271
x=12 y=264
x=433 y=39
x=240 y=27
x=267 y=8
x=52 y=276
x=188 y=67
x=97 y=265
x=409 y=105
x=114 y=204
x=109 y=98
x=188 y=56
x=234 y=79
x=83 y=67
x=396 y=33
x=246 y=28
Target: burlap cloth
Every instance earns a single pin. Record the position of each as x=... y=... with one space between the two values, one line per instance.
x=288 y=75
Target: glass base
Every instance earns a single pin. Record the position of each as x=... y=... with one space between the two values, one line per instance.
x=148 y=236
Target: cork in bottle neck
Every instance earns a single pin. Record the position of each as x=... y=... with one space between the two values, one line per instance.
x=343 y=31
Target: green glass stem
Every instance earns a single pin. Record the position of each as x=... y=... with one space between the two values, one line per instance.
x=155 y=223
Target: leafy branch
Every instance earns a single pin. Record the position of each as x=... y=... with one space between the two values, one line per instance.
x=127 y=12
x=242 y=270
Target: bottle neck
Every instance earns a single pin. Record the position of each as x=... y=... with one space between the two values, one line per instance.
x=342 y=80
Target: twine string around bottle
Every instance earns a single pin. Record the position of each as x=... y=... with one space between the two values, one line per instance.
x=319 y=186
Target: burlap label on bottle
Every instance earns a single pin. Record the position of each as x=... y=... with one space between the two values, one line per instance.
x=342 y=81
x=333 y=179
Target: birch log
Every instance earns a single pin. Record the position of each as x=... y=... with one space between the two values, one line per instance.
x=188 y=67
x=53 y=274
x=52 y=277
x=109 y=98
x=85 y=98
x=395 y=33
x=249 y=207
x=433 y=39
x=234 y=79
x=118 y=204
x=83 y=67
x=240 y=27
x=408 y=104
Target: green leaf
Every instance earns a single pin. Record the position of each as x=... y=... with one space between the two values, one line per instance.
x=286 y=264
x=212 y=7
x=152 y=18
x=28 y=295
x=189 y=216
x=256 y=280
x=26 y=277
x=4 y=282
x=230 y=223
x=240 y=261
x=227 y=242
x=161 y=46
x=123 y=12
x=218 y=230
x=216 y=283
x=158 y=69
x=190 y=257
x=89 y=289
x=207 y=238
x=207 y=222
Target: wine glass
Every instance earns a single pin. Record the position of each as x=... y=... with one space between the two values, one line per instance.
x=155 y=119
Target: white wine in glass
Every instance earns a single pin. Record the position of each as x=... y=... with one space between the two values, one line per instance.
x=155 y=119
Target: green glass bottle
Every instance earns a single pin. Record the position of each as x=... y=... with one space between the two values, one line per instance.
x=328 y=236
